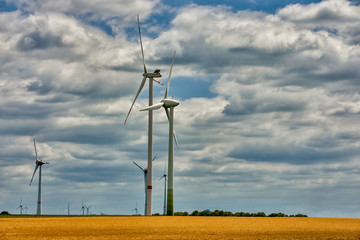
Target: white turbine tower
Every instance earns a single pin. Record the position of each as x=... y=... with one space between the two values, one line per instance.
x=167 y=104
x=165 y=180
x=150 y=76
x=38 y=163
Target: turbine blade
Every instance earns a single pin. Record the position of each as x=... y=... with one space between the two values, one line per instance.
x=138 y=166
x=153 y=107
x=176 y=142
x=158 y=81
x=142 y=50
x=168 y=116
x=137 y=94
x=34 y=174
x=168 y=82
x=35 y=150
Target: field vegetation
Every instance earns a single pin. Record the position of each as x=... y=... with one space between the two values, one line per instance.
x=221 y=213
x=178 y=227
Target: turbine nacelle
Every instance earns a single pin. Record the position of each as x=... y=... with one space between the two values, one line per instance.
x=40 y=162
x=169 y=103
x=155 y=74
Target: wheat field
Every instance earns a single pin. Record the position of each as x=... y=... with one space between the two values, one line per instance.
x=162 y=227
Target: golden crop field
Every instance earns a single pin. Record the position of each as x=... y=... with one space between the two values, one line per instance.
x=162 y=227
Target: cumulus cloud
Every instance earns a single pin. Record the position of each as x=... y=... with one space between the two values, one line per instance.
x=278 y=118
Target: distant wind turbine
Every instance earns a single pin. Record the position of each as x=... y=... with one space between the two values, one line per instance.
x=136 y=210
x=82 y=209
x=167 y=104
x=68 y=209
x=87 y=209
x=26 y=208
x=150 y=76
x=38 y=163
x=145 y=171
x=165 y=180
x=20 y=206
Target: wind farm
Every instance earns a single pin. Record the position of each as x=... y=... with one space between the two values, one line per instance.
x=260 y=133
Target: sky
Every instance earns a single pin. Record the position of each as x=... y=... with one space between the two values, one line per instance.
x=269 y=109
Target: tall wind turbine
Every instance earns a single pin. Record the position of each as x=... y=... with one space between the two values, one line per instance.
x=150 y=76
x=168 y=104
x=145 y=171
x=165 y=177
x=38 y=163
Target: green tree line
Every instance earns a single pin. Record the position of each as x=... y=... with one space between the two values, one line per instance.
x=219 y=213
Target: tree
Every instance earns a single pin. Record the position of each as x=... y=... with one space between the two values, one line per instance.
x=228 y=214
x=205 y=212
x=277 y=215
x=217 y=213
x=195 y=213
x=260 y=214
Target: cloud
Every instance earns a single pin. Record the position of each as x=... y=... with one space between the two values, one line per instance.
x=276 y=123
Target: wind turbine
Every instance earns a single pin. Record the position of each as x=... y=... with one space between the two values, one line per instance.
x=150 y=76
x=26 y=208
x=38 y=163
x=168 y=104
x=87 y=209
x=145 y=181
x=165 y=177
x=82 y=209
x=68 y=209
x=20 y=206
x=136 y=210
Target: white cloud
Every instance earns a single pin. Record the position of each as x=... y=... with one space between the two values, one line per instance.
x=283 y=123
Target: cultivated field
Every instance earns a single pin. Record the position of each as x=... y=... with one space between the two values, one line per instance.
x=160 y=227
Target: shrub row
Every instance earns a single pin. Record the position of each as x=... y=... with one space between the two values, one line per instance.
x=207 y=212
